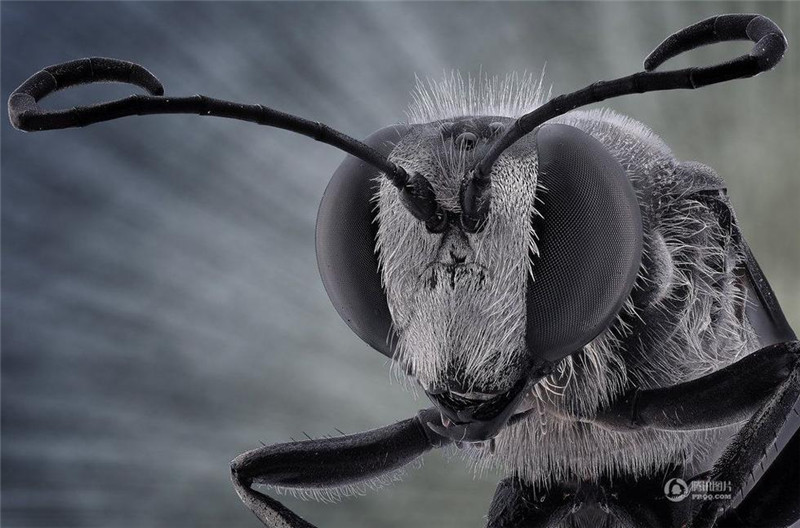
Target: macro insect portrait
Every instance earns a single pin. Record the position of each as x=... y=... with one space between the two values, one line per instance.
x=577 y=309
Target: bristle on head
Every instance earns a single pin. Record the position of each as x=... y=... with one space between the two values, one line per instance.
x=453 y=96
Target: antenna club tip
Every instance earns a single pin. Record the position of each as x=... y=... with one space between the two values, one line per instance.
x=21 y=107
x=651 y=63
x=141 y=76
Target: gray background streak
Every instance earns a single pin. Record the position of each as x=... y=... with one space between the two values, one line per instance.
x=162 y=309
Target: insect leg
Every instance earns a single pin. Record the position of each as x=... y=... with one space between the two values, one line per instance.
x=727 y=396
x=518 y=503
x=327 y=463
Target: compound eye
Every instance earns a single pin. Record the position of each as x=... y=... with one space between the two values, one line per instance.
x=466 y=141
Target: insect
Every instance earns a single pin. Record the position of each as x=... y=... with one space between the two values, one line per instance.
x=579 y=306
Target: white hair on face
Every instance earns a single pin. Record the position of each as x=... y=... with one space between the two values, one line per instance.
x=452 y=96
x=480 y=329
x=476 y=324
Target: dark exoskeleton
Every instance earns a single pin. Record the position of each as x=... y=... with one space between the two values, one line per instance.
x=595 y=249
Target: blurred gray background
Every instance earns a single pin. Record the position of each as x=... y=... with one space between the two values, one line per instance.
x=162 y=310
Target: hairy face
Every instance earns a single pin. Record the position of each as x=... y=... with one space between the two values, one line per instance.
x=458 y=300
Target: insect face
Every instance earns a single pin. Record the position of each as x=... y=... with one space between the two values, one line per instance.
x=457 y=299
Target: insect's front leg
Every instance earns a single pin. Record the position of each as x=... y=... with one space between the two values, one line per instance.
x=329 y=463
